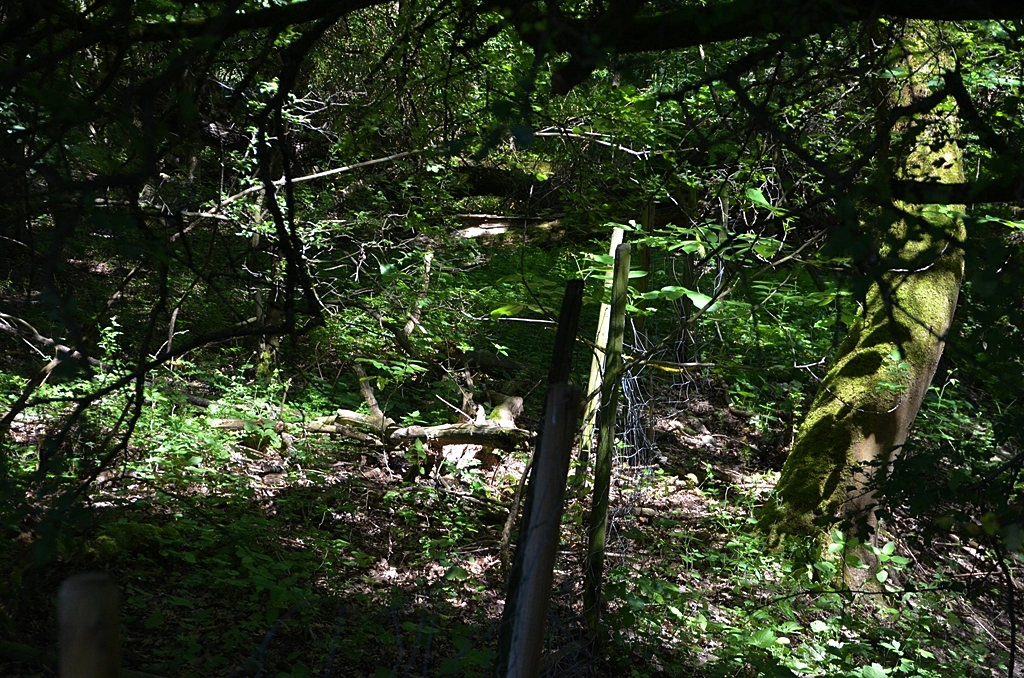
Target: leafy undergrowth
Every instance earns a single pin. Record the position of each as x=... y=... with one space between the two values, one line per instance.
x=320 y=559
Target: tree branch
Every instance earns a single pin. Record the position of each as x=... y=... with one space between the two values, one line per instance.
x=696 y=25
x=299 y=180
x=9 y=324
x=624 y=32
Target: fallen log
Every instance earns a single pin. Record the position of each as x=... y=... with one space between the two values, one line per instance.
x=370 y=422
x=245 y=424
x=464 y=434
x=344 y=432
x=492 y=433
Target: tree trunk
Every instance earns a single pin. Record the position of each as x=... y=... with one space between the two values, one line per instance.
x=867 y=401
x=90 y=634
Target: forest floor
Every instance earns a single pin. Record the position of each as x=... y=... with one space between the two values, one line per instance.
x=323 y=560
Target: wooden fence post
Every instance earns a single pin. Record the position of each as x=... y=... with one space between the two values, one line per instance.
x=565 y=338
x=597 y=369
x=605 y=443
x=526 y=612
x=558 y=374
x=89 y=634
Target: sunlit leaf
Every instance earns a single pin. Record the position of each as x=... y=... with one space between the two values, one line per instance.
x=873 y=671
x=506 y=311
x=757 y=197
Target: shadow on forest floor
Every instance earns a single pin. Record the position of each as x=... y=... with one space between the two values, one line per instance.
x=323 y=561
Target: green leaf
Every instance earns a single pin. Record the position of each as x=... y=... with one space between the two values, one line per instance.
x=765 y=638
x=818 y=626
x=895 y=72
x=767 y=248
x=757 y=197
x=669 y=293
x=506 y=311
x=893 y=645
x=673 y=292
x=643 y=104
x=388 y=271
x=699 y=300
x=873 y=671
x=154 y=620
x=457 y=574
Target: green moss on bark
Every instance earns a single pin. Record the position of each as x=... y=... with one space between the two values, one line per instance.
x=868 y=399
x=870 y=393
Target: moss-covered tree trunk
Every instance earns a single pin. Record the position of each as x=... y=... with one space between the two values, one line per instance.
x=870 y=396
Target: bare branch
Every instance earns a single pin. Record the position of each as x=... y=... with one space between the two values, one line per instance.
x=309 y=177
x=20 y=328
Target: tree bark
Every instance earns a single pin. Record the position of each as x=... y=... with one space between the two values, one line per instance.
x=870 y=396
x=89 y=634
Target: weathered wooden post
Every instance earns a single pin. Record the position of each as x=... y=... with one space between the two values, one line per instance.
x=89 y=633
x=558 y=372
x=522 y=637
x=597 y=370
x=565 y=339
x=605 y=443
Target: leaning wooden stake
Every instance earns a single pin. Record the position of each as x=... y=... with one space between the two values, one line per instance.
x=597 y=369
x=89 y=633
x=565 y=339
x=558 y=372
x=526 y=608
x=544 y=484
x=605 y=443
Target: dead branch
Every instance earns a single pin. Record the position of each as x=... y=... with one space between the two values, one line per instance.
x=464 y=434
x=310 y=177
x=347 y=424
x=20 y=328
x=366 y=390
x=414 y=316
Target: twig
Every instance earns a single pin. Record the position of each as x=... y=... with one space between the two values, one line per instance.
x=1010 y=586
x=310 y=177
x=506 y=533
x=466 y=415
x=559 y=132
